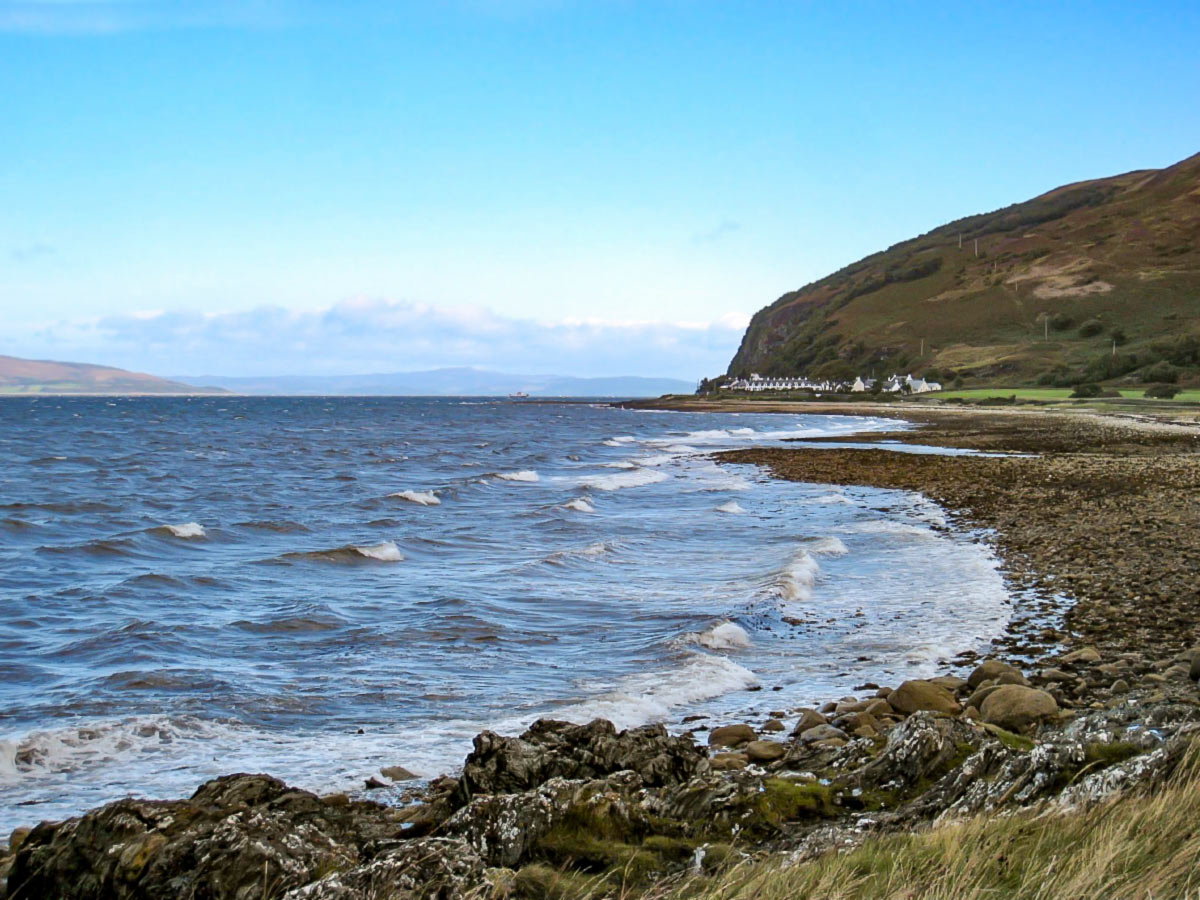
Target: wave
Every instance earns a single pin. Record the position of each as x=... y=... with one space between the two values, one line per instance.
x=620 y=464
x=421 y=498
x=188 y=530
x=599 y=548
x=652 y=696
x=579 y=504
x=385 y=551
x=795 y=581
x=634 y=478
x=721 y=636
x=732 y=507
x=527 y=475
x=277 y=527
x=828 y=546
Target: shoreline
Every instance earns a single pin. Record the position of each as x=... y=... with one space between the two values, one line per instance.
x=1095 y=519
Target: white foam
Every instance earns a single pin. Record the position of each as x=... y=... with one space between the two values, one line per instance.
x=829 y=546
x=635 y=478
x=722 y=636
x=187 y=530
x=794 y=582
x=831 y=499
x=421 y=498
x=888 y=526
x=619 y=464
x=579 y=504
x=384 y=552
x=652 y=696
x=658 y=459
x=599 y=548
x=742 y=432
x=527 y=475
x=624 y=439
x=732 y=507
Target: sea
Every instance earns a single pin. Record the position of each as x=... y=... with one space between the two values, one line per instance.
x=320 y=587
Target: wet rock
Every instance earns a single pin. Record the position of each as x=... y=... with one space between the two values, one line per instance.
x=731 y=736
x=552 y=749
x=773 y=725
x=765 y=751
x=991 y=670
x=1018 y=708
x=1120 y=686
x=397 y=773
x=1057 y=675
x=232 y=836
x=951 y=683
x=917 y=696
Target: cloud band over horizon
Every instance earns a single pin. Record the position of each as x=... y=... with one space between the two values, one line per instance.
x=365 y=336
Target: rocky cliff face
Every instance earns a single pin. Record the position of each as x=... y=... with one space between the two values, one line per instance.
x=1039 y=288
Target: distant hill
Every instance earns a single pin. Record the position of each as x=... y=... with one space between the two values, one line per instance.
x=1037 y=291
x=39 y=376
x=463 y=382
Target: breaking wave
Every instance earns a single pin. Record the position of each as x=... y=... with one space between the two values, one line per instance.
x=523 y=475
x=187 y=530
x=421 y=498
x=633 y=478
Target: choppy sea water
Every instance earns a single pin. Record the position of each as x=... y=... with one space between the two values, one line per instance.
x=318 y=587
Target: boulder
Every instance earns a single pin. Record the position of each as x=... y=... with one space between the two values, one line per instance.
x=809 y=718
x=731 y=736
x=823 y=733
x=1017 y=708
x=397 y=773
x=1082 y=655
x=765 y=751
x=991 y=670
x=552 y=749
x=919 y=748
x=915 y=696
x=724 y=762
x=1057 y=676
x=951 y=683
x=773 y=725
x=981 y=694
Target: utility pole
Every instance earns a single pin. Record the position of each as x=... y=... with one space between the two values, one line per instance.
x=1114 y=346
x=976 y=246
x=922 y=348
x=1046 y=322
x=960 y=240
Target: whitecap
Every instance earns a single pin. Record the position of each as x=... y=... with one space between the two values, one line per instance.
x=636 y=478
x=732 y=507
x=828 y=546
x=653 y=696
x=527 y=475
x=794 y=582
x=187 y=530
x=421 y=498
x=721 y=636
x=386 y=551
x=579 y=504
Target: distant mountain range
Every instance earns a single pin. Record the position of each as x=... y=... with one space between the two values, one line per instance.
x=35 y=376
x=463 y=382
x=40 y=376
x=1092 y=281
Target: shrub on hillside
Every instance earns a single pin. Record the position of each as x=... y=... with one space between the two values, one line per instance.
x=1087 y=389
x=1091 y=328
x=933 y=375
x=1161 y=372
x=1119 y=337
x=1060 y=322
x=1161 y=391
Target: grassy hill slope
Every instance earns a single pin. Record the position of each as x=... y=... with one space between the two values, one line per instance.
x=37 y=376
x=1037 y=290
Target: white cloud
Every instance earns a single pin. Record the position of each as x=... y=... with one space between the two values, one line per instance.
x=369 y=335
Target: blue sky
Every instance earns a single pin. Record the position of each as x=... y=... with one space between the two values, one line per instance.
x=273 y=186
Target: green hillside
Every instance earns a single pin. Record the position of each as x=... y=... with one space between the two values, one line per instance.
x=1036 y=292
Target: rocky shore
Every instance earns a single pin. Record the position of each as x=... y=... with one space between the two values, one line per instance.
x=1098 y=521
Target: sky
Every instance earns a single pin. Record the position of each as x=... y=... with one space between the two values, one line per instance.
x=582 y=187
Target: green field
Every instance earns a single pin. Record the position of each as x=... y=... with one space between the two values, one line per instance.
x=1050 y=395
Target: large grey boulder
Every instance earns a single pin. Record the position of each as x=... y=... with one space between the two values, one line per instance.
x=1018 y=708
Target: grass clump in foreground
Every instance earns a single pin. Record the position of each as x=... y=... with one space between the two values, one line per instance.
x=1134 y=848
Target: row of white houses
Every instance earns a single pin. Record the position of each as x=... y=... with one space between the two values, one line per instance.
x=895 y=384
